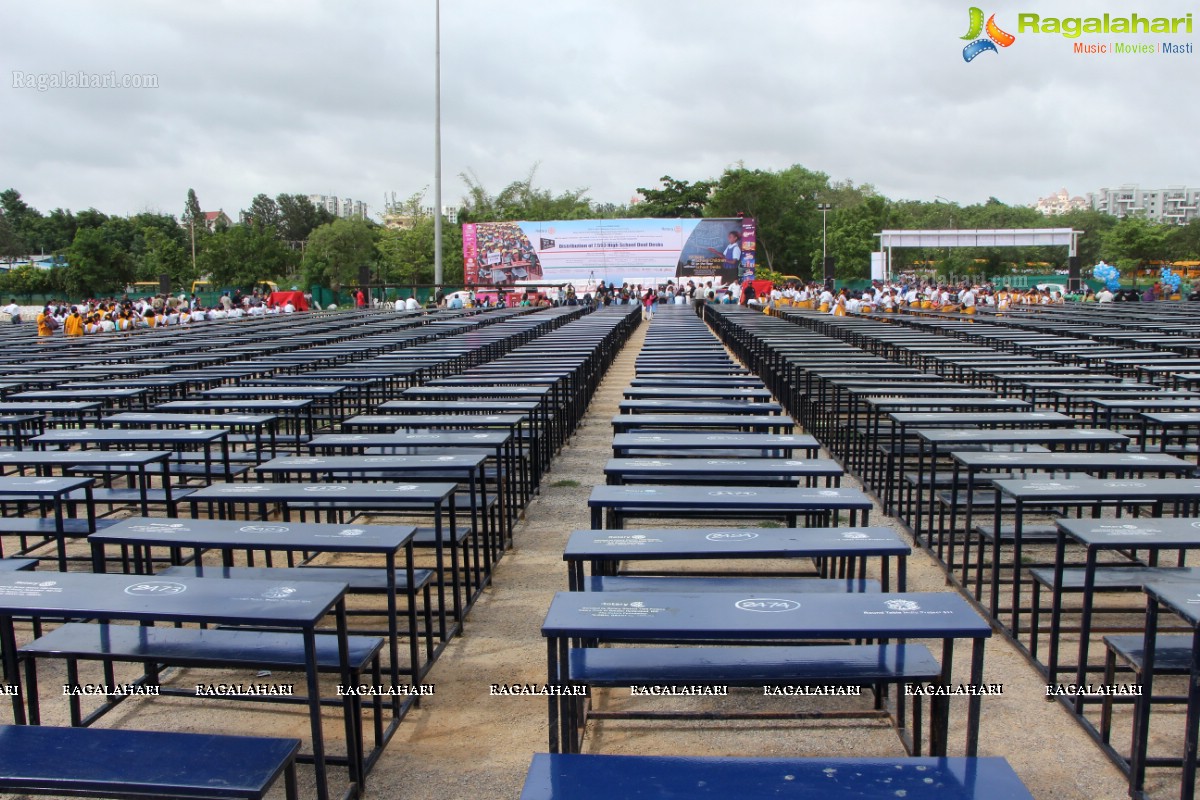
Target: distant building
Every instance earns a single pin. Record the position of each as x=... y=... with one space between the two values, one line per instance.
x=343 y=207
x=401 y=218
x=217 y=219
x=1060 y=203
x=1175 y=205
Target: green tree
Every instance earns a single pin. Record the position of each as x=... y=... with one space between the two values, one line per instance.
x=11 y=245
x=1133 y=241
x=784 y=205
x=57 y=230
x=155 y=253
x=522 y=200
x=23 y=218
x=298 y=217
x=336 y=251
x=97 y=263
x=241 y=256
x=192 y=213
x=1183 y=241
x=264 y=214
x=851 y=236
x=676 y=198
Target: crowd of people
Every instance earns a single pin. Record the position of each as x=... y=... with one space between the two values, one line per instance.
x=156 y=311
x=962 y=298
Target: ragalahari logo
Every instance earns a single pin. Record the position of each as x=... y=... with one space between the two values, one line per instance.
x=994 y=37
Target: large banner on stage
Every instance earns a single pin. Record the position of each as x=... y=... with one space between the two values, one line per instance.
x=615 y=251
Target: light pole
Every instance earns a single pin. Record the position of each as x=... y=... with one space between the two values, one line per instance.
x=824 y=209
x=437 y=143
x=948 y=202
x=826 y=261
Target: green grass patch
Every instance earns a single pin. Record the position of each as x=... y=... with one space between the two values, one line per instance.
x=566 y=484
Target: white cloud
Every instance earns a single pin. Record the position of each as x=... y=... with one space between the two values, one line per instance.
x=608 y=94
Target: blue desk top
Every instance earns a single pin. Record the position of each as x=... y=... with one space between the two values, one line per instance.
x=1150 y=462
x=76 y=405
x=671 y=616
x=705 y=420
x=110 y=436
x=233 y=402
x=687 y=405
x=1135 y=532
x=1182 y=598
x=613 y=777
x=711 y=441
x=1144 y=490
x=699 y=497
x=472 y=406
x=83 y=457
x=257 y=535
x=943 y=418
x=884 y=403
x=36 y=487
x=635 y=392
x=457 y=462
x=445 y=439
x=1037 y=435
x=428 y=420
x=212 y=420
x=323 y=492
x=723 y=466
x=1176 y=417
x=143 y=598
x=671 y=543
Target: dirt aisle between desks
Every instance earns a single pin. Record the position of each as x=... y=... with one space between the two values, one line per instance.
x=465 y=743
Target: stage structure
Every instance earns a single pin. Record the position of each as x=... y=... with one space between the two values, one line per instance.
x=965 y=237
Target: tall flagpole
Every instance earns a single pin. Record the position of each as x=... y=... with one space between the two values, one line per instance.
x=437 y=144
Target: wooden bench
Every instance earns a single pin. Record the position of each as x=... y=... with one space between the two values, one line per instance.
x=95 y=762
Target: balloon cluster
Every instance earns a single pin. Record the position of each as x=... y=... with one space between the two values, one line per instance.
x=1109 y=274
x=1169 y=278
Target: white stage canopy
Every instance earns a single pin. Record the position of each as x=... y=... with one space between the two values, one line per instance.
x=965 y=237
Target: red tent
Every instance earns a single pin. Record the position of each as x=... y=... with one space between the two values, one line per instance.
x=281 y=299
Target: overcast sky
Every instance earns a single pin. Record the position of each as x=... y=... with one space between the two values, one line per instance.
x=313 y=96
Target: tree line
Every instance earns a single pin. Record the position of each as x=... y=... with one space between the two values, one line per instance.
x=288 y=238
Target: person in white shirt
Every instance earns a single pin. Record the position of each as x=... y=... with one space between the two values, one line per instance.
x=1104 y=296
x=13 y=310
x=288 y=308
x=399 y=304
x=411 y=304
x=967 y=299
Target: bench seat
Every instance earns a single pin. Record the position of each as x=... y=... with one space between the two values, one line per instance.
x=191 y=647
x=373 y=580
x=750 y=583
x=753 y=666
x=1172 y=653
x=97 y=762
x=1116 y=578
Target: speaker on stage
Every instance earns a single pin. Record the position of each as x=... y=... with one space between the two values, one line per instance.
x=1074 y=283
x=829 y=275
x=164 y=284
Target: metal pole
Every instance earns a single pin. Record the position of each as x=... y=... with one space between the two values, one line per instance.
x=437 y=143
x=824 y=209
x=192 y=225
